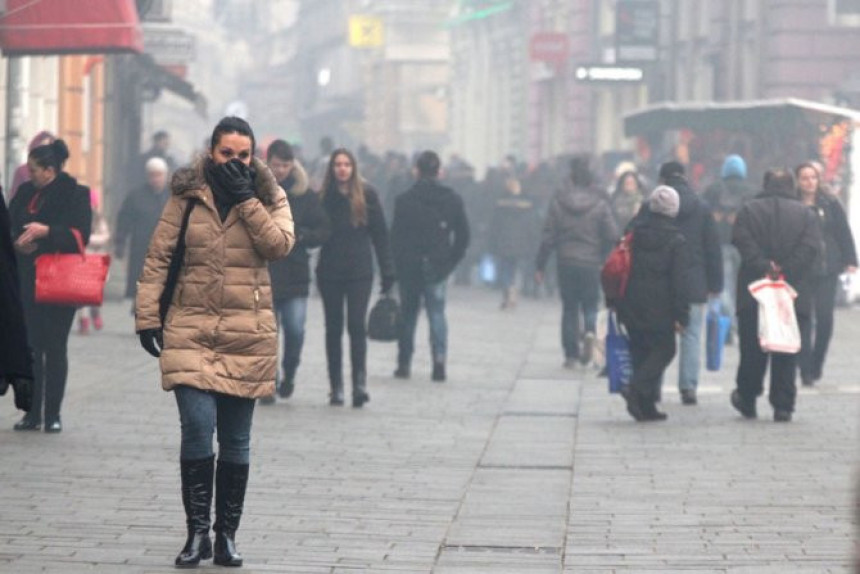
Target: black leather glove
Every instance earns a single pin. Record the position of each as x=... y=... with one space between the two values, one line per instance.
x=23 y=389
x=238 y=179
x=387 y=283
x=152 y=341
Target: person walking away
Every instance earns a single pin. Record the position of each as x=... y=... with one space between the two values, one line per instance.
x=345 y=269
x=581 y=229
x=725 y=198
x=45 y=214
x=512 y=237
x=136 y=221
x=16 y=360
x=291 y=276
x=218 y=345
x=655 y=305
x=706 y=274
x=838 y=256
x=627 y=198
x=429 y=237
x=776 y=235
x=99 y=240
x=160 y=148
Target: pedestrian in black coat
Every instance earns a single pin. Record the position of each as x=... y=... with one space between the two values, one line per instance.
x=838 y=256
x=16 y=362
x=705 y=276
x=513 y=237
x=43 y=215
x=291 y=276
x=345 y=269
x=656 y=304
x=137 y=218
x=429 y=236
x=775 y=235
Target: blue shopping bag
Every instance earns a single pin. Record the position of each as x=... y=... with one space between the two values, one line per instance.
x=717 y=327
x=618 y=363
x=487 y=269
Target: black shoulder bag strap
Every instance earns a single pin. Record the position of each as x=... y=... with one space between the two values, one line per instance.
x=175 y=265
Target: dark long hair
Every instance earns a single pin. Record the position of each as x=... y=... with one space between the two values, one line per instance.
x=53 y=155
x=232 y=125
x=803 y=166
x=355 y=187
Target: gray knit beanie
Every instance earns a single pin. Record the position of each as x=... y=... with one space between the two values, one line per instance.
x=665 y=201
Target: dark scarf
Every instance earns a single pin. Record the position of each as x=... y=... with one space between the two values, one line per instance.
x=224 y=199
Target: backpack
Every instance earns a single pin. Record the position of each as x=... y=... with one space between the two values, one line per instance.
x=616 y=270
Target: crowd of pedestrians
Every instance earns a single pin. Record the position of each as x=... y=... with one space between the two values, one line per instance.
x=222 y=256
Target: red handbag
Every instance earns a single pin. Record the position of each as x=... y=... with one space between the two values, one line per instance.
x=74 y=279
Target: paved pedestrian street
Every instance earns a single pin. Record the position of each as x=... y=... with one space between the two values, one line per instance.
x=514 y=465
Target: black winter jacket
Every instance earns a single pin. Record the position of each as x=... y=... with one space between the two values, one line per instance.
x=838 y=247
x=697 y=224
x=291 y=276
x=580 y=227
x=777 y=229
x=16 y=360
x=347 y=255
x=430 y=232
x=61 y=205
x=725 y=198
x=514 y=227
x=657 y=291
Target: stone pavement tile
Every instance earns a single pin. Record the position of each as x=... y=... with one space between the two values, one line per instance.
x=459 y=560
x=531 y=441
x=544 y=397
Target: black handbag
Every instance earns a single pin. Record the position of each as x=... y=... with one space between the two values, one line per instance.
x=384 y=322
x=175 y=265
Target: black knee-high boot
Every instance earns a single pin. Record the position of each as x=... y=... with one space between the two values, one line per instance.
x=197 y=478
x=231 y=480
x=359 y=389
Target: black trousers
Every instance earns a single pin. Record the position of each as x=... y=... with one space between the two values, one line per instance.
x=650 y=352
x=753 y=366
x=48 y=328
x=355 y=297
x=813 y=350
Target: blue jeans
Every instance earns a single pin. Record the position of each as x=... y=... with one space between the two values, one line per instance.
x=292 y=314
x=201 y=412
x=411 y=293
x=690 y=355
x=580 y=290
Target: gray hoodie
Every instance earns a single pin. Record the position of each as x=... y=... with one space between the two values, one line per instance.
x=580 y=226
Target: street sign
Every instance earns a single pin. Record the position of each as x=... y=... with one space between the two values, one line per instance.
x=366 y=32
x=637 y=30
x=609 y=74
x=550 y=47
x=169 y=45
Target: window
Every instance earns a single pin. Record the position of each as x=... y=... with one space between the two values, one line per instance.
x=844 y=12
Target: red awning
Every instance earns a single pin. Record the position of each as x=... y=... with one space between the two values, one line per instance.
x=31 y=27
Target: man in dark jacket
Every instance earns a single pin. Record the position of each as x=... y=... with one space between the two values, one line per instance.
x=512 y=237
x=291 y=276
x=656 y=304
x=705 y=275
x=581 y=229
x=137 y=219
x=429 y=236
x=776 y=235
x=725 y=198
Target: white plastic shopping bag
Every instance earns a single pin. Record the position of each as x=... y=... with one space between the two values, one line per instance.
x=777 y=322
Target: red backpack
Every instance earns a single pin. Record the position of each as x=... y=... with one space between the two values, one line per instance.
x=616 y=270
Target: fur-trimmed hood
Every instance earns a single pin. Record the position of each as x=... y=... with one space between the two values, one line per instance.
x=300 y=180
x=191 y=182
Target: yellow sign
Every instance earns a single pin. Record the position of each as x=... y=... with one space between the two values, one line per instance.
x=365 y=32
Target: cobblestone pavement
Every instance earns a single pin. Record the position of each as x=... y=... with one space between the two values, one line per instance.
x=515 y=465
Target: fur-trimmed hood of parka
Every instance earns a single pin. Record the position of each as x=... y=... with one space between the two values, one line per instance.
x=219 y=333
x=191 y=182
x=299 y=179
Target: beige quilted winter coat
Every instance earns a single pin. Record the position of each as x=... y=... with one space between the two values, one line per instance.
x=220 y=333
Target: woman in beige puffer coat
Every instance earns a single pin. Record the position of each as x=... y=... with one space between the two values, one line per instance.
x=218 y=344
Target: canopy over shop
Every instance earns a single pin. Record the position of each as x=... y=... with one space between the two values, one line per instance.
x=766 y=133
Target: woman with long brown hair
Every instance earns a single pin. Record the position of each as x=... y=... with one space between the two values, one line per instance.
x=345 y=269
